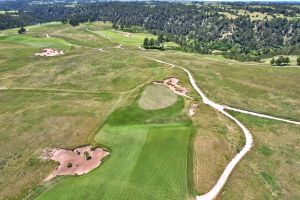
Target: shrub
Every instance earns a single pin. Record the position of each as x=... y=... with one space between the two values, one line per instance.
x=69 y=165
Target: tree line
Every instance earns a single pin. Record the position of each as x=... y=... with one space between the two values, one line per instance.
x=196 y=27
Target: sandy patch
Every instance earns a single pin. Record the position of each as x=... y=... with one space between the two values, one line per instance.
x=173 y=84
x=192 y=110
x=127 y=35
x=141 y=48
x=120 y=46
x=49 y=52
x=79 y=161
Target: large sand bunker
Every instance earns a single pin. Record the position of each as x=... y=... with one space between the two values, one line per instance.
x=79 y=161
x=157 y=97
x=49 y=52
x=173 y=84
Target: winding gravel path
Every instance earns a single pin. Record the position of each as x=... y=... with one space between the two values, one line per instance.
x=213 y=193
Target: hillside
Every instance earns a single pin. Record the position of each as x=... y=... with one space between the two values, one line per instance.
x=102 y=91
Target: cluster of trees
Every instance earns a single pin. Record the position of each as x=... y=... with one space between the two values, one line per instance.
x=154 y=44
x=280 y=61
x=197 y=27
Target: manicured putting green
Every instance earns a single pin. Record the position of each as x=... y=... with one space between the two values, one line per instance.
x=157 y=97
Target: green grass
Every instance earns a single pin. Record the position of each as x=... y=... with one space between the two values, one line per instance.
x=124 y=38
x=136 y=115
x=149 y=152
x=252 y=86
x=157 y=97
x=148 y=158
x=37 y=42
x=270 y=169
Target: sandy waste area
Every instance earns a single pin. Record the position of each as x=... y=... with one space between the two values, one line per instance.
x=77 y=162
x=173 y=84
x=49 y=52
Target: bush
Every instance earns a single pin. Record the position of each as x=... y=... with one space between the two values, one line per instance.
x=22 y=30
x=298 y=60
x=280 y=61
x=69 y=165
x=87 y=155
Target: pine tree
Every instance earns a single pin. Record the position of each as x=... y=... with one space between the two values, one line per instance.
x=146 y=43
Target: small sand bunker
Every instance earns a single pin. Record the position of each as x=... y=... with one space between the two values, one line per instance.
x=172 y=84
x=79 y=161
x=49 y=52
x=192 y=110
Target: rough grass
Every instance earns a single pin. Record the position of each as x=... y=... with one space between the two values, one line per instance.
x=156 y=97
x=31 y=121
x=252 y=86
x=216 y=142
x=38 y=118
x=270 y=170
x=104 y=81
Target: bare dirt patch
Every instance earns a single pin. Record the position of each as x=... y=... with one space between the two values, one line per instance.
x=49 y=52
x=173 y=84
x=79 y=161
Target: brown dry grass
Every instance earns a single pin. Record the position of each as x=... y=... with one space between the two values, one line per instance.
x=216 y=142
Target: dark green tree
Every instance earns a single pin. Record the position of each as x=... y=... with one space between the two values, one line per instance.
x=279 y=60
x=160 y=38
x=272 y=61
x=298 y=60
x=22 y=30
x=151 y=42
x=115 y=26
x=146 y=43
x=286 y=60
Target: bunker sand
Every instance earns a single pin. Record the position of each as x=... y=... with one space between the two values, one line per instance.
x=173 y=84
x=79 y=161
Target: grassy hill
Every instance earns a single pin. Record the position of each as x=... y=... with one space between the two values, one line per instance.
x=90 y=95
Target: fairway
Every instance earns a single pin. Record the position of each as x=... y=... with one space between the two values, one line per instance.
x=37 y=42
x=148 y=158
x=157 y=97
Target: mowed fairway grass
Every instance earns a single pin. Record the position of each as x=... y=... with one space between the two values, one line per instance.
x=148 y=160
x=37 y=42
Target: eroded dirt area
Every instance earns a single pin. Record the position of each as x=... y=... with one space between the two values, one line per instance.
x=77 y=162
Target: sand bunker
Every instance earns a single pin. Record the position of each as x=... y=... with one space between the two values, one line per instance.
x=172 y=84
x=192 y=110
x=79 y=161
x=49 y=52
